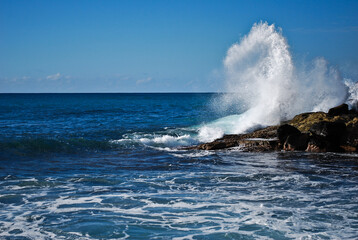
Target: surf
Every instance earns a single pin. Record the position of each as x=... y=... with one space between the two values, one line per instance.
x=261 y=76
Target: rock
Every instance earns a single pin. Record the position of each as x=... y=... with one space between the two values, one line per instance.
x=339 y=110
x=313 y=132
x=350 y=139
x=246 y=144
x=350 y=149
x=304 y=121
x=353 y=111
x=319 y=144
x=234 y=140
x=296 y=142
x=352 y=123
x=268 y=132
x=331 y=130
x=316 y=144
x=327 y=136
x=216 y=145
x=286 y=130
x=259 y=145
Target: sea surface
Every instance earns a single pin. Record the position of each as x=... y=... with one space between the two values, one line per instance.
x=110 y=166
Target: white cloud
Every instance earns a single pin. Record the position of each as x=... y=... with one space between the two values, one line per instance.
x=144 y=80
x=16 y=79
x=54 y=76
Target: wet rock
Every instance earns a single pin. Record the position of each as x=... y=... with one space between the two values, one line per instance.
x=349 y=141
x=348 y=149
x=353 y=112
x=304 y=121
x=327 y=136
x=339 y=110
x=259 y=145
x=286 y=130
x=234 y=140
x=313 y=132
x=316 y=144
x=331 y=130
x=296 y=142
x=217 y=145
x=268 y=132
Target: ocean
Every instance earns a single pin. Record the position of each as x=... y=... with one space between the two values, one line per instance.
x=111 y=166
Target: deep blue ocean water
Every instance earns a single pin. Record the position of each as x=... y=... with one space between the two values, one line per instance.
x=110 y=166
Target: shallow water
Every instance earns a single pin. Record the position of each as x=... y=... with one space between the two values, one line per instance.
x=129 y=180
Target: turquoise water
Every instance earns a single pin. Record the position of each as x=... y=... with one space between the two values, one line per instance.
x=110 y=166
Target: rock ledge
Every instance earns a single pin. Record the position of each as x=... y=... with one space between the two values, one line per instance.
x=335 y=131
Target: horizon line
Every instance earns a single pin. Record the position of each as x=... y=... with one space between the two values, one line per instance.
x=99 y=92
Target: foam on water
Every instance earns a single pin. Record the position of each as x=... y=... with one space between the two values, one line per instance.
x=167 y=139
x=240 y=196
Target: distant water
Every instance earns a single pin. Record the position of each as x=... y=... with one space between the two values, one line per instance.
x=109 y=166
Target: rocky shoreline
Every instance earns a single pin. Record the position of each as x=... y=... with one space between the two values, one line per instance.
x=335 y=131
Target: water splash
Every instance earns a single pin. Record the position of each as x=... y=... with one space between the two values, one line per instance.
x=261 y=75
x=353 y=93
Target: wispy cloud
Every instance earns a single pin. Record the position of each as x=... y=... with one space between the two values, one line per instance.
x=21 y=79
x=16 y=79
x=144 y=80
x=54 y=77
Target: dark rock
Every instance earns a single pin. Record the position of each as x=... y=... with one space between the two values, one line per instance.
x=339 y=110
x=304 y=121
x=313 y=132
x=323 y=144
x=331 y=130
x=349 y=141
x=316 y=144
x=259 y=145
x=327 y=136
x=286 y=130
x=234 y=140
x=347 y=148
x=216 y=145
x=296 y=142
x=353 y=111
x=268 y=132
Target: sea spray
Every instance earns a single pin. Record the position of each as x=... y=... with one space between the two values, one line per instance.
x=262 y=77
x=352 y=93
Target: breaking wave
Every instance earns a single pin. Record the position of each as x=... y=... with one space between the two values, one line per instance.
x=262 y=77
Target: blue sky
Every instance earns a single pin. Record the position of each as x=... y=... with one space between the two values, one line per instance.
x=158 y=45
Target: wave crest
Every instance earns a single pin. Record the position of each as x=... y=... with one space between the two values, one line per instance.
x=261 y=75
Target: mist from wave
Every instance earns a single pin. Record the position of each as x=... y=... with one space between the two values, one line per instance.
x=262 y=78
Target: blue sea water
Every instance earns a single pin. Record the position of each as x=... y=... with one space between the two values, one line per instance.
x=110 y=166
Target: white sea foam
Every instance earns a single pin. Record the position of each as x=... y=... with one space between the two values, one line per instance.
x=168 y=140
x=257 y=201
x=353 y=93
x=160 y=141
x=261 y=75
